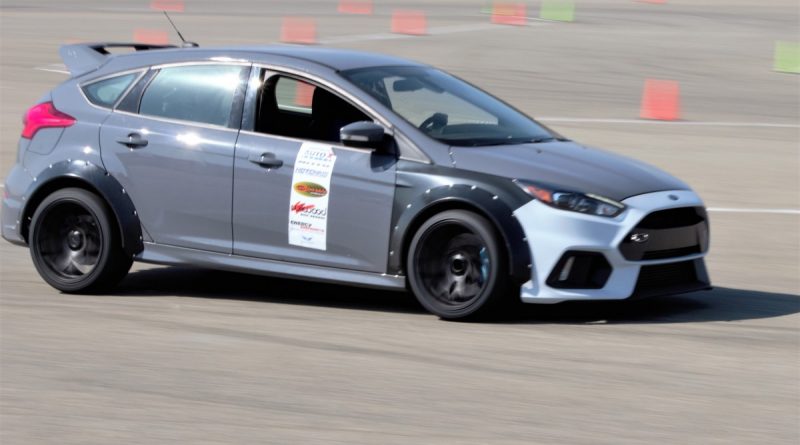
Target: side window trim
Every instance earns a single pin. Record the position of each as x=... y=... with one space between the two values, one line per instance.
x=130 y=102
x=130 y=87
x=239 y=98
x=254 y=85
x=139 y=73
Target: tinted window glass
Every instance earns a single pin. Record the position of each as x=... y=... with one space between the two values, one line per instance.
x=105 y=93
x=202 y=93
x=293 y=108
x=446 y=108
x=294 y=95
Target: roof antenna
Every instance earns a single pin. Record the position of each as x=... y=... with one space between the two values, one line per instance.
x=185 y=44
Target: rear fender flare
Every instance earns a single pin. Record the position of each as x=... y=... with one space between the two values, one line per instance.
x=84 y=174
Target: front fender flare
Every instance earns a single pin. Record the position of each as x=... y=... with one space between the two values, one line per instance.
x=497 y=210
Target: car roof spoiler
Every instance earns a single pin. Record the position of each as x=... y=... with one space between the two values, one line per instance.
x=81 y=58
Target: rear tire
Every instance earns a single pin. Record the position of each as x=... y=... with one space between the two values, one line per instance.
x=456 y=266
x=74 y=243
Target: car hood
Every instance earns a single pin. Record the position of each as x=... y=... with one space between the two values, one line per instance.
x=570 y=166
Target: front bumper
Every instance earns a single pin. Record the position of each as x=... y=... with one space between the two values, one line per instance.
x=553 y=235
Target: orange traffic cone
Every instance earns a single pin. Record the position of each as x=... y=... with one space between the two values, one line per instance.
x=660 y=100
x=150 y=36
x=363 y=7
x=505 y=13
x=409 y=22
x=167 y=5
x=299 y=30
x=303 y=94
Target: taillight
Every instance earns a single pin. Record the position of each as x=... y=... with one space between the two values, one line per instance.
x=44 y=115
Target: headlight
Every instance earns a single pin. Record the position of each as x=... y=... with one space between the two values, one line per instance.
x=577 y=202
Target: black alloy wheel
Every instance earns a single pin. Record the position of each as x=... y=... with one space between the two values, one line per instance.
x=74 y=244
x=456 y=266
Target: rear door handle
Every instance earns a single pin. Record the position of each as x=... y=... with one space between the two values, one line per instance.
x=266 y=160
x=134 y=140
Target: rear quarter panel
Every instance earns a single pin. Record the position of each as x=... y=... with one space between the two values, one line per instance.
x=80 y=141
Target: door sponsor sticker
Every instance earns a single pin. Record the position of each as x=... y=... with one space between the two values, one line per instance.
x=310 y=189
x=308 y=201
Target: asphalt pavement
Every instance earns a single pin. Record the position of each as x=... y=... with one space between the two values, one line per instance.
x=180 y=355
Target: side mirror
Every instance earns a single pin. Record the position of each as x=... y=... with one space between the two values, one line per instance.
x=362 y=134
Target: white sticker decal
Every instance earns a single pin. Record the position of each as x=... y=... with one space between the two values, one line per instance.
x=308 y=202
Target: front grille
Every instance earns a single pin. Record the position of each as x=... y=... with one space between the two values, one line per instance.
x=670 y=233
x=672 y=218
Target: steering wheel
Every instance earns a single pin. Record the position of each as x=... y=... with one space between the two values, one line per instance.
x=434 y=122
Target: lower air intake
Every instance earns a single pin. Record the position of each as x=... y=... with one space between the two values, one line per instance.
x=580 y=270
x=674 y=278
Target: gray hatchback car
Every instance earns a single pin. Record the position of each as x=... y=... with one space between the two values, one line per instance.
x=337 y=166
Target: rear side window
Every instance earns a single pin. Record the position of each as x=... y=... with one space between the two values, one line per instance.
x=106 y=92
x=203 y=93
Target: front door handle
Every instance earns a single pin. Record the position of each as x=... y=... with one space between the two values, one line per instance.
x=266 y=160
x=134 y=140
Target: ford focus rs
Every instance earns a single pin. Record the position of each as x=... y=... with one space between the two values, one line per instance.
x=336 y=166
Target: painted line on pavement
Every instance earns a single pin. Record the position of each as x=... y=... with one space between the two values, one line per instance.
x=760 y=211
x=53 y=68
x=653 y=122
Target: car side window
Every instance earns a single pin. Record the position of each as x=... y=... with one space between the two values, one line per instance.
x=294 y=95
x=201 y=93
x=106 y=92
x=291 y=107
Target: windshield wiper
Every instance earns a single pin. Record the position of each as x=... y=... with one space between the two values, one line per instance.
x=517 y=141
x=507 y=141
x=538 y=140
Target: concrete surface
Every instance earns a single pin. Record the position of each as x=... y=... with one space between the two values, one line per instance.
x=188 y=356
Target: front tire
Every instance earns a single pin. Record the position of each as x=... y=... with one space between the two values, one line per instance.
x=456 y=266
x=74 y=244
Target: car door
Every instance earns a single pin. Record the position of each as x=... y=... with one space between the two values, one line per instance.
x=170 y=144
x=301 y=196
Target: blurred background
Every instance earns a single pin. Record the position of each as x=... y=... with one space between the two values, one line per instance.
x=708 y=90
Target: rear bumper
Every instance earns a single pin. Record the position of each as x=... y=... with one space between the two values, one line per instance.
x=17 y=183
x=596 y=243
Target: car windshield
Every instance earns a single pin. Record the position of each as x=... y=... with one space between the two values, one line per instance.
x=447 y=108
